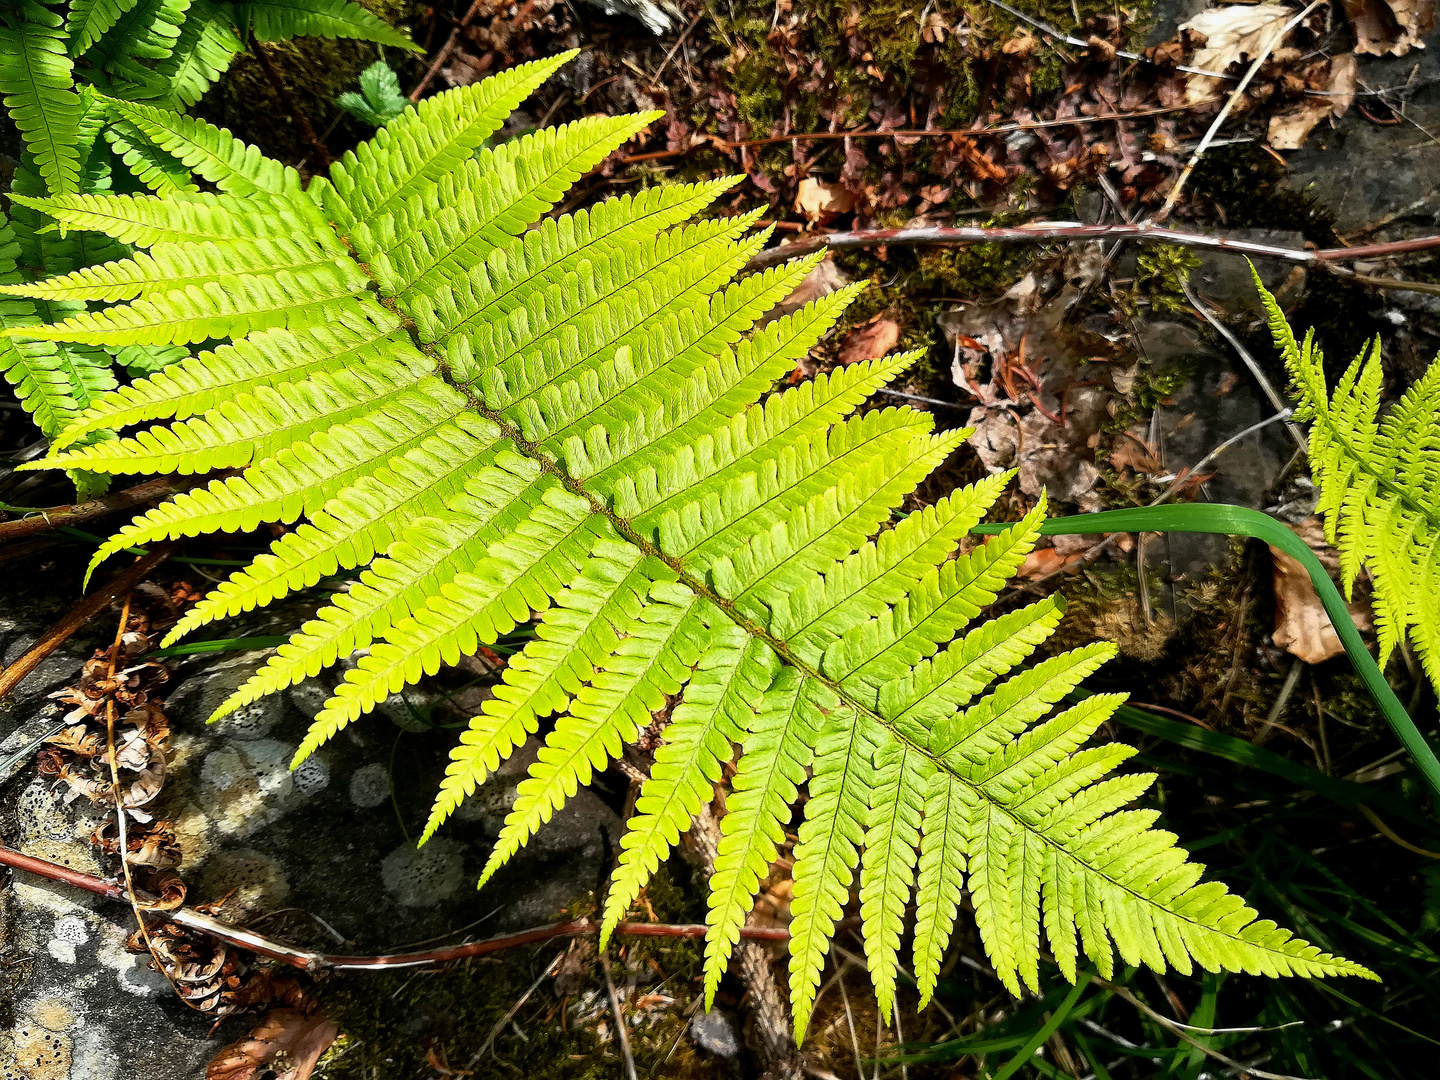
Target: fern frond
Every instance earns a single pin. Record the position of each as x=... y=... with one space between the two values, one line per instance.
x=231 y=165
x=1378 y=480
x=146 y=30
x=88 y=19
x=202 y=53
x=179 y=218
x=280 y=20
x=39 y=92
x=573 y=423
x=428 y=142
x=154 y=168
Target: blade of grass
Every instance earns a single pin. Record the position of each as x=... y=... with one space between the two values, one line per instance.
x=1027 y=1051
x=234 y=644
x=1239 y=521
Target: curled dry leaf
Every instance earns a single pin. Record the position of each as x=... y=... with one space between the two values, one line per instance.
x=870 y=340
x=1232 y=34
x=1289 y=130
x=821 y=200
x=285 y=1044
x=1390 y=26
x=822 y=281
x=1302 y=625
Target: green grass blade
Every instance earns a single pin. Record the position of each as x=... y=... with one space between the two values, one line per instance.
x=1240 y=521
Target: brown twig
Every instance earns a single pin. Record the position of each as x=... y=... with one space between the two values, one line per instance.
x=1046 y=232
x=87 y=609
x=73 y=513
x=306 y=960
x=964 y=133
x=302 y=122
x=622 y=1034
x=1219 y=122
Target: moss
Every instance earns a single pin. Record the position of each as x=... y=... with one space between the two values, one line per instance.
x=1161 y=272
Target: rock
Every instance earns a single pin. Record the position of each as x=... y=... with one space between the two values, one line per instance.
x=713 y=1032
x=326 y=839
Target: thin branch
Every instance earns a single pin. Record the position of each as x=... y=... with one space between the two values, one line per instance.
x=1048 y=231
x=306 y=960
x=38 y=521
x=622 y=1034
x=964 y=133
x=88 y=608
x=445 y=51
x=1224 y=113
x=1256 y=372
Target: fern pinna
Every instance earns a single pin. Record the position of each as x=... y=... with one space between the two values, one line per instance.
x=575 y=424
x=1379 y=484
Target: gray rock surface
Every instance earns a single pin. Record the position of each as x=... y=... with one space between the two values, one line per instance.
x=326 y=839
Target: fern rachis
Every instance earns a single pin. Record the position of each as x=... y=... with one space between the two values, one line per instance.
x=581 y=431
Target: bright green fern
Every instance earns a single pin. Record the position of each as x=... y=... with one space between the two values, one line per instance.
x=574 y=423
x=1379 y=484
x=151 y=57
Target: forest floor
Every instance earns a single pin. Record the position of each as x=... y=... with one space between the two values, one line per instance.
x=1107 y=373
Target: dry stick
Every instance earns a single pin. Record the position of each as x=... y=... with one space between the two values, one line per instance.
x=302 y=122
x=1048 y=231
x=1180 y=1030
x=53 y=517
x=1235 y=95
x=445 y=51
x=621 y=1034
x=81 y=614
x=500 y=1024
x=306 y=960
x=1255 y=371
x=967 y=133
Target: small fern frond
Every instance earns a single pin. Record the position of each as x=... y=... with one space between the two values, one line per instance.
x=39 y=91
x=1379 y=479
x=154 y=168
x=88 y=19
x=202 y=53
x=231 y=165
x=574 y=424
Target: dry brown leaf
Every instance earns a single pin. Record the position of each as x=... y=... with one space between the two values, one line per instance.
x=1241 y=31
x=1132 y=450
x=820 y=200
x=1289 y=130
x=1302 y=625
x=1043 y=561
x=286 y=1044
x=822 y=281
x=870 y=340
x=1390 y=26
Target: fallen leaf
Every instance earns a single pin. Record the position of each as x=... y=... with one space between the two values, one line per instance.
x=1289 y=130
x=820 y=200
x=1043 y=561
x=291 y=1039
x=822 y=281
x=1390 y=26
x=870 y=340
x=1302 y=625
x=1132 y=450
x=1241 y=31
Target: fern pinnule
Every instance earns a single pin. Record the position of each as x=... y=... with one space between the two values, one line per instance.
x=574 y=425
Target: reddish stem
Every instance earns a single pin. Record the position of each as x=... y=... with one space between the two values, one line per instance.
x=313 y=961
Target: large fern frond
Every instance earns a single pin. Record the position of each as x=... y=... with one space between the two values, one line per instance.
x=1379 y=480
x=39 y=91
x=575 y=424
